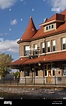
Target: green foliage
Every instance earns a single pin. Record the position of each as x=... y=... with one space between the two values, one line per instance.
x=17 y=74
x=5 y=60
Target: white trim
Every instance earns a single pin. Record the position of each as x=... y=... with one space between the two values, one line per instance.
x=50 y=22
x=63 y=40
x=53 y=42
x=27 y=48
x=43 y=45
x=23 y=56
x=48 y=53
x=35 y=46
x=53 y=52
x=48 y=44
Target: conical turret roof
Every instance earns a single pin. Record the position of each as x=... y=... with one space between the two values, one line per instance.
x=29 y=32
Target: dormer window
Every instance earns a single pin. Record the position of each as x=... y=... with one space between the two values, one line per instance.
x=49 y=27
x=52 y=26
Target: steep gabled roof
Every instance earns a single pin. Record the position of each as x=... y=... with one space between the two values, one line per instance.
x=29 y=32
x=40 y=33
x=55 y=18
x=58 y=18
x=63 y=12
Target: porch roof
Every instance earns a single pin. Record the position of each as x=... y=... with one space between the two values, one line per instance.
x=20 y=61
x=47 y=58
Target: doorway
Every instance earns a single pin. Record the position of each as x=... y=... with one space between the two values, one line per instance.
x=47 y=72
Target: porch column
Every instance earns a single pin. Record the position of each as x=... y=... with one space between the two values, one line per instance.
x=22 y=79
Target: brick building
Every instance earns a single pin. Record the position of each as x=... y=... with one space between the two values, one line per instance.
x=43 y=51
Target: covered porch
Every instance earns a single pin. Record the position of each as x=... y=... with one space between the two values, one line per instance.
x=45 y=69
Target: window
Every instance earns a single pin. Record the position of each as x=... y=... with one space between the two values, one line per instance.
x=53 y=72
x=36 y=72
x=49 y=67
x=45 y=72
x=27 y=50
x=43 y=47
x=27 y=72
x=63 y=43
x=35 y=46
x=35 y=49
x=48 y=46
x=64 y=69
x=49 y=27
x=53 y=45
x=52 y=26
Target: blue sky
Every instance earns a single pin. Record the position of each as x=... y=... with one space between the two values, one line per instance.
x=14 y=18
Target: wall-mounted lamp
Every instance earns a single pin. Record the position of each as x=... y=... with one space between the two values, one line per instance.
x=39 y=64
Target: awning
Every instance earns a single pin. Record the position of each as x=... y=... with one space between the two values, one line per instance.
x=20 y=61
x=48 y=58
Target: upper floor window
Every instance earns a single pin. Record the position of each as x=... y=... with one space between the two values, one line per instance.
x=42 y=47
x=35 y=46
x=26 y=50
x=53 y=45
x=63 y=43
x=35 y=49
x=48 y=46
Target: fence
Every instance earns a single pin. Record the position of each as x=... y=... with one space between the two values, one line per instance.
x=35 y=81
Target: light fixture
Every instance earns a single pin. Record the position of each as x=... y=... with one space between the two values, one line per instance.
x=39 y=64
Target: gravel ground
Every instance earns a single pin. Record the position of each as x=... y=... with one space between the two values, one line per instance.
x=32 y=93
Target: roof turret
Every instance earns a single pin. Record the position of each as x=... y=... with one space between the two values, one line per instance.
x=29 y=32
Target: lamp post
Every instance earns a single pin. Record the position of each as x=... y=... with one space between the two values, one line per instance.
x=32 y=74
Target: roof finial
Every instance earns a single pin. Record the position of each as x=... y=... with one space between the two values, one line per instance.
x=30 y=16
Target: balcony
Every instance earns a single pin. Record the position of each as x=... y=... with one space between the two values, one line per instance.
x=34 y=53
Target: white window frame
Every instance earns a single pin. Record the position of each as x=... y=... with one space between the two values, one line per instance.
x=26 y=48
x=63 y=42
x=35 y=46
x=42 y=45
x=48 y=44
x=53 y=45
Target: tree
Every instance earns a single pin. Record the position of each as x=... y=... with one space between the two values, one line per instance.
x=5 y=59
x=17 y=74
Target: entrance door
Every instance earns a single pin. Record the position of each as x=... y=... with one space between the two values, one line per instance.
x=47 y=72
x=47 y=69
x=49 y=76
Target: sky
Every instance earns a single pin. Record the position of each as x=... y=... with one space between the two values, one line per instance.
x=14 y=18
